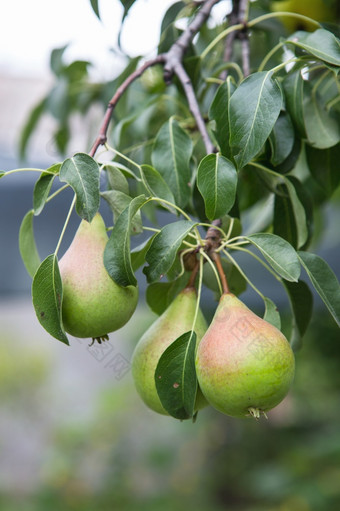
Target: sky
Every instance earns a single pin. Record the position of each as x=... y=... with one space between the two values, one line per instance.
x=30 y=29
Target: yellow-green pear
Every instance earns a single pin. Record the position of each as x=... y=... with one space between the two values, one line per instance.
x=175 y=321
x=93 y=304
x=245 y=366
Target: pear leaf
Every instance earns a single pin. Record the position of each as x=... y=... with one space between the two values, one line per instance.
x=301 y=303
x=324 y=281
x=271 y=313
x=217 y=182
x=81 y=172
x=117 y=257
x=118 y=201
x=160 y=295
x=171 y=157
x=321 y=44
x=175 y=377
x=279 y=253
x=47 y=295
x=163 y=249
x=43 y=186
x=27 y=245
x=219 y=112
x=156 y=185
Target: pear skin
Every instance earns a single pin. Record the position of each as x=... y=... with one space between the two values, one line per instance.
x=175 y=321
x=245 y=366
x=93 y=304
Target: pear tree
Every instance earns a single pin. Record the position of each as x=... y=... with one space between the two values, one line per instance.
x=230 y=133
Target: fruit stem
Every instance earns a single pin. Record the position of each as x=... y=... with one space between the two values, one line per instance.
x=65 y=225
x=217 y=260
x=191 y=281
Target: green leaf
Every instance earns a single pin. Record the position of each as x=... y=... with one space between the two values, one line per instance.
x=293 y=89
x=301 y=302
x=163 y=250
x=217 y=182
x=117 y=257
x=279 y=254
x=253 y=110
x=42 y=188
x=81 y=172
x=322 y=126
x=138 y=253
x=56 y=60
x=321 y=44
x=2 y=174
x=284 y=220
x=30 y=126
x=27 y=246
x=324 y=281
x=281 y=139
x=298 y=212
x=175 y=377
x=118 y=202
x=171 y=156
x=47 y=295
x=116 y=178
x=156 y=185
x=95 y=7
x=160 y=295
x=324 y=167
x=271 y=313
x=219 y=112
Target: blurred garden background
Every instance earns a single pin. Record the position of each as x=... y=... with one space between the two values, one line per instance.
x=74 y=434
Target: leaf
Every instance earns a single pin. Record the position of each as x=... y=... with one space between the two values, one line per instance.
x=324 y=281
x=56 y=60
x=284 y=220
x=138 y=253
x=321 y=44
x=253 y=110
x=271 y=313
x=175 y=377
x=279 y=254
x=293 y=88
x=217 y=182
x=2 y=174
x=47 y=295
x=322 y=127
x=156 y=185
x=171 y=155
x=219 y=112
x=324 y=167
x=160 y=295
x=117 y=258
x=281 y=139
x=42 y=188
x=116 y=179
x=30 y=126
x=163 y=250
x=27 y=245
x=301 y=302
x=81 y=172
x=118 y=201
x=95 y=7
x=298 y=212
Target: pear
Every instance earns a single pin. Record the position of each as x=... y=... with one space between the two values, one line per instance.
x=175 y=321
x=93 y=304
x=244 y=365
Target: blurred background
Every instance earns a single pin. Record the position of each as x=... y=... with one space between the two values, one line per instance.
x=74 y=435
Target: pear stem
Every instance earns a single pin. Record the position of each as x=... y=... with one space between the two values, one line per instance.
x=65 y=225
x=217 y=260
x=191 y=282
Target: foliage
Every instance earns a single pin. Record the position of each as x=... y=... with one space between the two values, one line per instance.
x=217 y=141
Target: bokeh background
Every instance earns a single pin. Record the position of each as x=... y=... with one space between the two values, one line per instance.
x=73 y=433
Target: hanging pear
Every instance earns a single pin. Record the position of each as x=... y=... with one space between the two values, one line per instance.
x=244 y=365
x=93 y=304
x=175 y=321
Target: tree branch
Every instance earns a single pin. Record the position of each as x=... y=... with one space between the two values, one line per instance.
x=239 y=15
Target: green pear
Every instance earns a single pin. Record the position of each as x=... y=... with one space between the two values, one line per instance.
x=244 y=365
x=93 y=304
x=175 y=321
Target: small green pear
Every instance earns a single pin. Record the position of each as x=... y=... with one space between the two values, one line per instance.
x=93 y=304
x=245 y=366
x=175 y=321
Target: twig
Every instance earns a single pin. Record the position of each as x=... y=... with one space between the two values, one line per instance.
x=239 y=15
x=229 y=44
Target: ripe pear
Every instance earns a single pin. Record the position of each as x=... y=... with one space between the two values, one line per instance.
x=244 y=364
x=93 y=304
x=175 y=321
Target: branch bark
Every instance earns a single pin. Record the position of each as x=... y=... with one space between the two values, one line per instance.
x=239 y=15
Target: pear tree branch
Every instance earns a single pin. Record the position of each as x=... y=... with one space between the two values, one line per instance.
x=172 y=62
